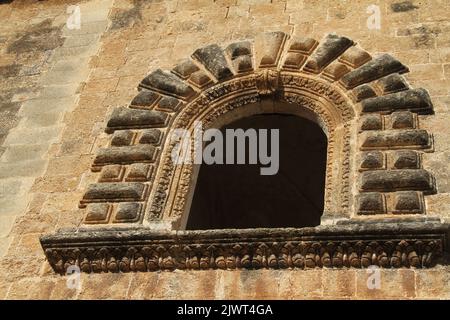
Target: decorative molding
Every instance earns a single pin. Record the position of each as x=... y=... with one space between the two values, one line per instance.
x=385 y=244
x=267 y=81
x=362 y=103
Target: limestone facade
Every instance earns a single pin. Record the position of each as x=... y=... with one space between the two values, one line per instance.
x=85 y=167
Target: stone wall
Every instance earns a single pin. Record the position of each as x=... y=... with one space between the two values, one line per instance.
x=58 y=87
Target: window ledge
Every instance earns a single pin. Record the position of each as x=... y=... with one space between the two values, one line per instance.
x=384 y=243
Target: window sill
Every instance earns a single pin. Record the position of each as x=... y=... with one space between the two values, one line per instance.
x=384 y=243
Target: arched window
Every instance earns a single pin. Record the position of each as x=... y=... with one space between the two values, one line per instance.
x=351 y=152
x=231 y=195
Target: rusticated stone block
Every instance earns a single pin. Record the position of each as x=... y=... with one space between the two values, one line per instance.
x=379 y=67
x=362 y=92
x=145 y=98
x=115 y=191
x=243 y=64
x=372 y=160
x=371 y=203
x=123 y=118
x=167 y=83
x=416 y=100
x=97 y=213
x=303 y=45
x=328 y=50
x=335 y=71
x=406 y=159
x=392 y=180
x=402 y=120
x=371 y=122
x=294 y=61
x=125 y=155
x=122 y=138
x=185 y=69
x=112 y=173
x=391 y=83
x=151 y=136
x=169 y=104
x=139 y=172
x=213 y=59
x=238 y=49
x=127 y=212
x=355 y=57
x=199 y=79
x=407 y=202
x=240 y=54
x=269 y=47
x=392 y=139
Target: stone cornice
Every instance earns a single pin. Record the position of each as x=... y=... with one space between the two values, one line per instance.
x=352 y=245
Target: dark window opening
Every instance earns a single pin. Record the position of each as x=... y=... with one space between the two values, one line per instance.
x=237 y=196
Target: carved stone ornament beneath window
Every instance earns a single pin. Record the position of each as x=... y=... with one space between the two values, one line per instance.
x=135 y=212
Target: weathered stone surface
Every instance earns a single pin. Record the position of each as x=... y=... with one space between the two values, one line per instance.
x=199 y=79
x=362 y=92
x=150 y=136
x=371 y=122
x=238 y=49
x=378 y=67
x=304 y=248
x=139 y=172
x=392 y=180
x=185 y=69
x=123 y=118
x=169 y=104
x=158 y=34
x=416 y=100
x=402 y=120
x=124 y=155
x=372 y=160
x=294 y=61
x=355 y=57
x=97 y=213
x=167 y=83
x=407 y=202
x=328 y=50
x=122 y=138
x=213 y=59
x=269 y=47
x=145 y=98
x=302 y=45
x=335 y=71
x=391 y=83
x=371 y=203
x=112 y=173
x=433 y=284
x=406 y=159
x=393 y=284
x=391 y=139
x=117 y=191
x=243 y=64
x=127 y=212
x=241 y=55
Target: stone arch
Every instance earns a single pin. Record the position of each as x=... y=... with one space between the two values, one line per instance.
x=365 y=104
x=297 y=96
x=363 y=101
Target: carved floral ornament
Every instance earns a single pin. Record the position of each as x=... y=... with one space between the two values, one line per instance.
x=374 y=167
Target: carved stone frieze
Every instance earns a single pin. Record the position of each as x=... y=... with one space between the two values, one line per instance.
x=387 y=245
x=267 y=81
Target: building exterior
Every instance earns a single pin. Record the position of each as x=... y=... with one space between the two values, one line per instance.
x=90 y=91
